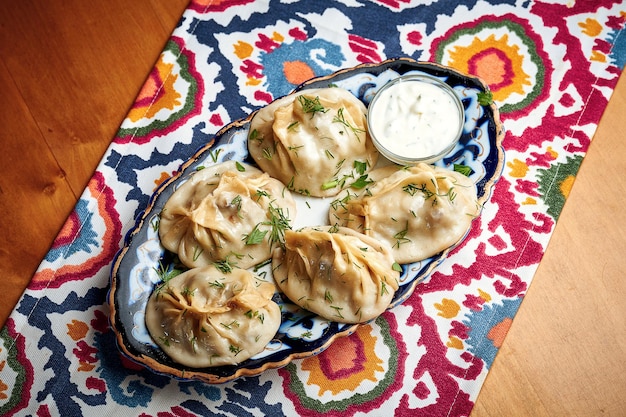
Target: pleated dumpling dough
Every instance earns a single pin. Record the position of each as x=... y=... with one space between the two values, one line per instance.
x=204 y=317
x=229 y=212
x=337 y=273
x=315 y=141
x=419 y=211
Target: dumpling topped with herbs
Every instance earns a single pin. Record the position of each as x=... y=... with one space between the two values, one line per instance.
x=337 y=273
x=418 y=211
x=227 y=213
x=205 y=317
x=315 y=141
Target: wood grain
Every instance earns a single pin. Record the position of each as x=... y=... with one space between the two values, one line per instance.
x=69 y=72
x=564 y=354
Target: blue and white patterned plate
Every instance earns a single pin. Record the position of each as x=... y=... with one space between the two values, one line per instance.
x=135 y=269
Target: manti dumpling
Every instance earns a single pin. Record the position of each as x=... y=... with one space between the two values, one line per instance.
x=228 y=213
x=204 y=317
x=337 y=273
x=314 y=141
x=419 y=210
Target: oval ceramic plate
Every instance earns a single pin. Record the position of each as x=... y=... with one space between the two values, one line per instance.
x=139 y=264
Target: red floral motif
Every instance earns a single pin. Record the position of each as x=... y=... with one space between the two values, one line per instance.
x=54 y=278
x=212 y=6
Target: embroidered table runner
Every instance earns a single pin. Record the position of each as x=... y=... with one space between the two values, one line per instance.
x=551 y=68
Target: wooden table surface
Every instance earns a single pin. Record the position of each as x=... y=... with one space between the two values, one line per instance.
x=69 y=72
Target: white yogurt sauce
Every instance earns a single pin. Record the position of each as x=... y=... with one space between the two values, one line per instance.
x=414 y=119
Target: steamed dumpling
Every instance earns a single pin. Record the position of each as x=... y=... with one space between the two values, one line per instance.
x=315 y=141
x=337 y=273
x=204 y=317
x=418 y=211
x=230 y=212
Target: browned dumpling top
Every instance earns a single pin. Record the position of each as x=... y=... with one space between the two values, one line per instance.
x=315 y=141
x=205 y=317
x=230 y=212
x=337 y=273
x=418 y=211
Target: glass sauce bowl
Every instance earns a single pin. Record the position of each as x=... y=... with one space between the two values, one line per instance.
x=415 y=119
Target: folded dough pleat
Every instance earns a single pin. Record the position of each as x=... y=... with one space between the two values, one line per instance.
x=337 y=273
x=418 y=211
x=204 y=317
x=224 y=213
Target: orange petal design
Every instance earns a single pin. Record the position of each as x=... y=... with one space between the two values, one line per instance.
x=253 y=81
x=566 y=185
x=499 y=331
x=498 y=63
x=448 y=308
x=77 y=329
x=243 y=50
x=163 y=177
x=455 y=343
x=346 y=363
x=297 y=72
x=552 y=152
x=485 y=296
x=598 y=56
x=3 y=388
x=519 y=169
x=157 y=93
x=86 y=367
x=591 y=27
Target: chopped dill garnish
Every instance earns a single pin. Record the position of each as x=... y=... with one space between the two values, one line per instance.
x=330 y=184
x=236 y=201
x=360 y=167
x=256 y=236
x=225 y=265
x=485 y=98
x=217 y=284
x=338 y=310
x=188 y=291
x=252 y=314
x=401 y=236
x=155 y=222
x=383 y=288
x=254 y=136
x=262 y=264
x=340 y=118
x=197 y=251
x=310 y=105
x=463 y=169
x=295 y=148
x=166 y=273
x=278 y=223
x=231 y=325
x=214 y=154
x=261 y=193
x=361 y=182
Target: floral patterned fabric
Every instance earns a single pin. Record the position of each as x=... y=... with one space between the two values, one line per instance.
x=551 y=67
